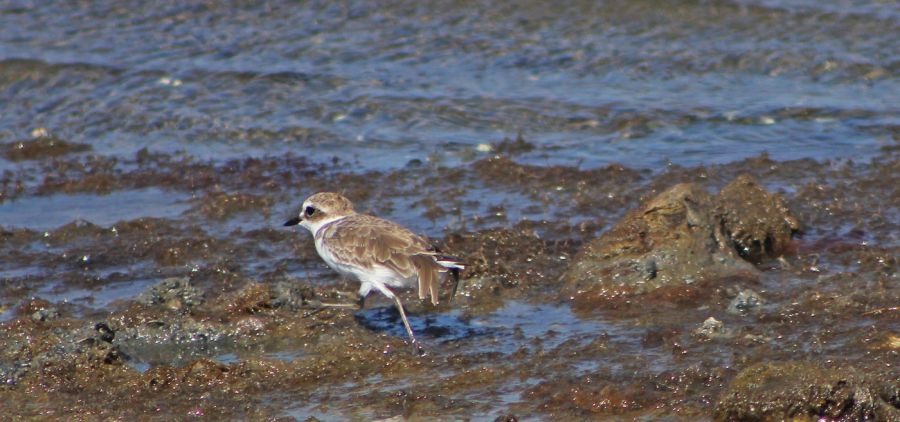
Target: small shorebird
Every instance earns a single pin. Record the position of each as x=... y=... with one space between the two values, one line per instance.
x=380 y=254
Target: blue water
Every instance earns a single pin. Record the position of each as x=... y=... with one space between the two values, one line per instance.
x=625 y=82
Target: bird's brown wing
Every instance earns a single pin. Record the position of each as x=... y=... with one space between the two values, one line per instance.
x=365 y=241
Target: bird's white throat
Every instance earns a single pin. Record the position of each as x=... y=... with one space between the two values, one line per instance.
x=315 y=226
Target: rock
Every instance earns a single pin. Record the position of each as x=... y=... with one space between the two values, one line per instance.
x=251 y=299
x=45 y=314
x=291 y=295
x=746 y=300
x=39 y=310
x=712 y=328
x=801 y=390
x=173 y=293
x=510 y=146
x=757 y=222
x=672 y=241
x=683 y=241
x=71 y=355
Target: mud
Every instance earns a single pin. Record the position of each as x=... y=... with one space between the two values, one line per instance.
x=218 y=311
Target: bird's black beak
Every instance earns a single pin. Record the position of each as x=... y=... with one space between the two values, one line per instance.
x=292 y=222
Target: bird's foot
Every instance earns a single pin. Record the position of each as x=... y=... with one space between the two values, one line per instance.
x=418 y=350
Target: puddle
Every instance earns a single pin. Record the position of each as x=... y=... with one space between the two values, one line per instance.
x=552 y=324
x=312 y=410
x=141 y=367
x=286 y=355
x=227 y=358
x=102 y=210
x=98 y=297
x=505 y=331
x=445 y=327
x=144 y=355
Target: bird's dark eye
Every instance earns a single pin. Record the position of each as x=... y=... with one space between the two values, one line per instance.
x=309 y=211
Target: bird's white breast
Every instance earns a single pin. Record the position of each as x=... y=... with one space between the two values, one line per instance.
x=325 y=252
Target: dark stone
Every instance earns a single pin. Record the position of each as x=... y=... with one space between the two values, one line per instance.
x=791 y=390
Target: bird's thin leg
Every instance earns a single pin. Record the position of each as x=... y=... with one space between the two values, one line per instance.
x=364 y=288
x=412 y=338
x=336 y=305
x=360 y=303
x=455 y=273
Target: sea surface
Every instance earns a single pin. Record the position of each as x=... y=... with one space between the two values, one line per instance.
x=641 y=83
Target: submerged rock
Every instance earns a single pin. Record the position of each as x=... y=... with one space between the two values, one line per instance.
x=683 y=239
x=800 y=390
x=41 y=147
x=745 y=301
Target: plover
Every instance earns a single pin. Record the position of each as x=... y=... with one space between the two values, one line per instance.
x=380 y=254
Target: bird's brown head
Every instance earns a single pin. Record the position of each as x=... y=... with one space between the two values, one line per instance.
x=320 y=209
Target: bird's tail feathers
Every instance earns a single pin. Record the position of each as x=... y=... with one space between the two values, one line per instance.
x=450 y=262
x=428 y=277
x=454 y=265
x=428 y=268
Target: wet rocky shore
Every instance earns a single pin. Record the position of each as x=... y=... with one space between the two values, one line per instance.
x=753 y=290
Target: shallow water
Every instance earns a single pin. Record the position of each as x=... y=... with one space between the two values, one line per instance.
x=201 y=126
x=631 y=82
x=49 y=212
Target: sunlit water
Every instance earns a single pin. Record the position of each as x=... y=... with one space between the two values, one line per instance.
x=636 y=83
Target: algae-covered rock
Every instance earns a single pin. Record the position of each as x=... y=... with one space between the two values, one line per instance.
x=800 y=390
x=758 y=222
x=672 y=240
x=684 y=238
x=174 y=293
